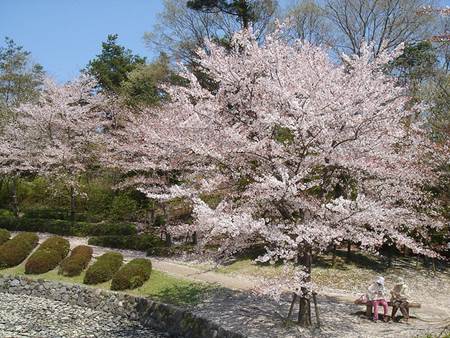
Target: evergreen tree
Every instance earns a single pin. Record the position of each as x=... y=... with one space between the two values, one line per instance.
x=19 y=78
x=112 y=65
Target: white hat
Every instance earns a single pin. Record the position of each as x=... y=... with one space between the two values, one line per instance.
x=379 y=280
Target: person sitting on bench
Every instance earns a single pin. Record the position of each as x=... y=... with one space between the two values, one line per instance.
x=377 y=294
x=399 y=299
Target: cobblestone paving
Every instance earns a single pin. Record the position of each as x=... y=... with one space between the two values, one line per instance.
x=27 y=316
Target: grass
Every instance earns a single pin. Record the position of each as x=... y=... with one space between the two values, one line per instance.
x=160 y=286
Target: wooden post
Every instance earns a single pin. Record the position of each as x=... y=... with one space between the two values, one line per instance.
x=294 y=298
x=333 y=259
x=369 y=309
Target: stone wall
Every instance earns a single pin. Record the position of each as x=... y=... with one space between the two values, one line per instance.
x=177 y=322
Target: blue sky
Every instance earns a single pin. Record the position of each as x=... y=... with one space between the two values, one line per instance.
x=63 y=35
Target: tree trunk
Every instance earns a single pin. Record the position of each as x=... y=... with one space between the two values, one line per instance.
x=72 y=203
x=195 y=238
x=244 y=13
x=304 y=314
x=333 y=258
x=349 y=251
x=15 y=200
x=168 y=237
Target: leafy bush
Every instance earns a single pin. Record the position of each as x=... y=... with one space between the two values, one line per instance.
x=6 y=213
x=77 y=261
x=4 y=236
x=133 y=242
x=104 y=268
x=132 y=275
x=15 y=251
x=66 y=228
x=123 y=208
x=8 y=222
x=47 y=257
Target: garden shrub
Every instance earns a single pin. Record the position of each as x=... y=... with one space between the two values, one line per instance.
x=47 y=257
x=6 y=213
x=134 y=242
x=104 y=268
x=4 y=236
x=132 y=275
x=77 y=261
x=14 y=251
x=122 y=208
x=66 y=228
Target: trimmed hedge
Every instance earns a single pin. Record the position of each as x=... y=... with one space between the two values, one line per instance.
x=132 y=275
x=58 y=214
x=104 y=268
x=4 y=236
x=103 y=229
x=61 y=214
x=134 y=242
x=15 y=251
x=66 y=228
x=47 y=257
x=77 y=261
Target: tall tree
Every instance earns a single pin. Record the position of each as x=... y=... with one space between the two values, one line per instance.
x=20 y=82
x=386 y=24
x=143 y=87
x=20 y=79
x=181 y=30
x=111 y=67
x=57 y=136
x=246 y=11
x=308 y=21
x=311 y=153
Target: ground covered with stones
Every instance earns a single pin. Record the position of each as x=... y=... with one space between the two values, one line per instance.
x=28 y=316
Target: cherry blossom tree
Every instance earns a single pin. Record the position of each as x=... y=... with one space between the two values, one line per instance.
x=311 y=153
x=58 y=136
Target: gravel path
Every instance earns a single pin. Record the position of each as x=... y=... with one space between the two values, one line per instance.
x=27 y=316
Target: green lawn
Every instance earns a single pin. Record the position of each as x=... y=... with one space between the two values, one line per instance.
x=160 y=286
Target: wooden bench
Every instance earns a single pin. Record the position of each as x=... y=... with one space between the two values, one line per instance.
x=369 y=306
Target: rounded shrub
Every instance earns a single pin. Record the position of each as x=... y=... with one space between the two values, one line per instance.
x=132 y=275
x=47 y=257
x=14 y=251
x=104 y=268
x=77 y=261
x=4 y=236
